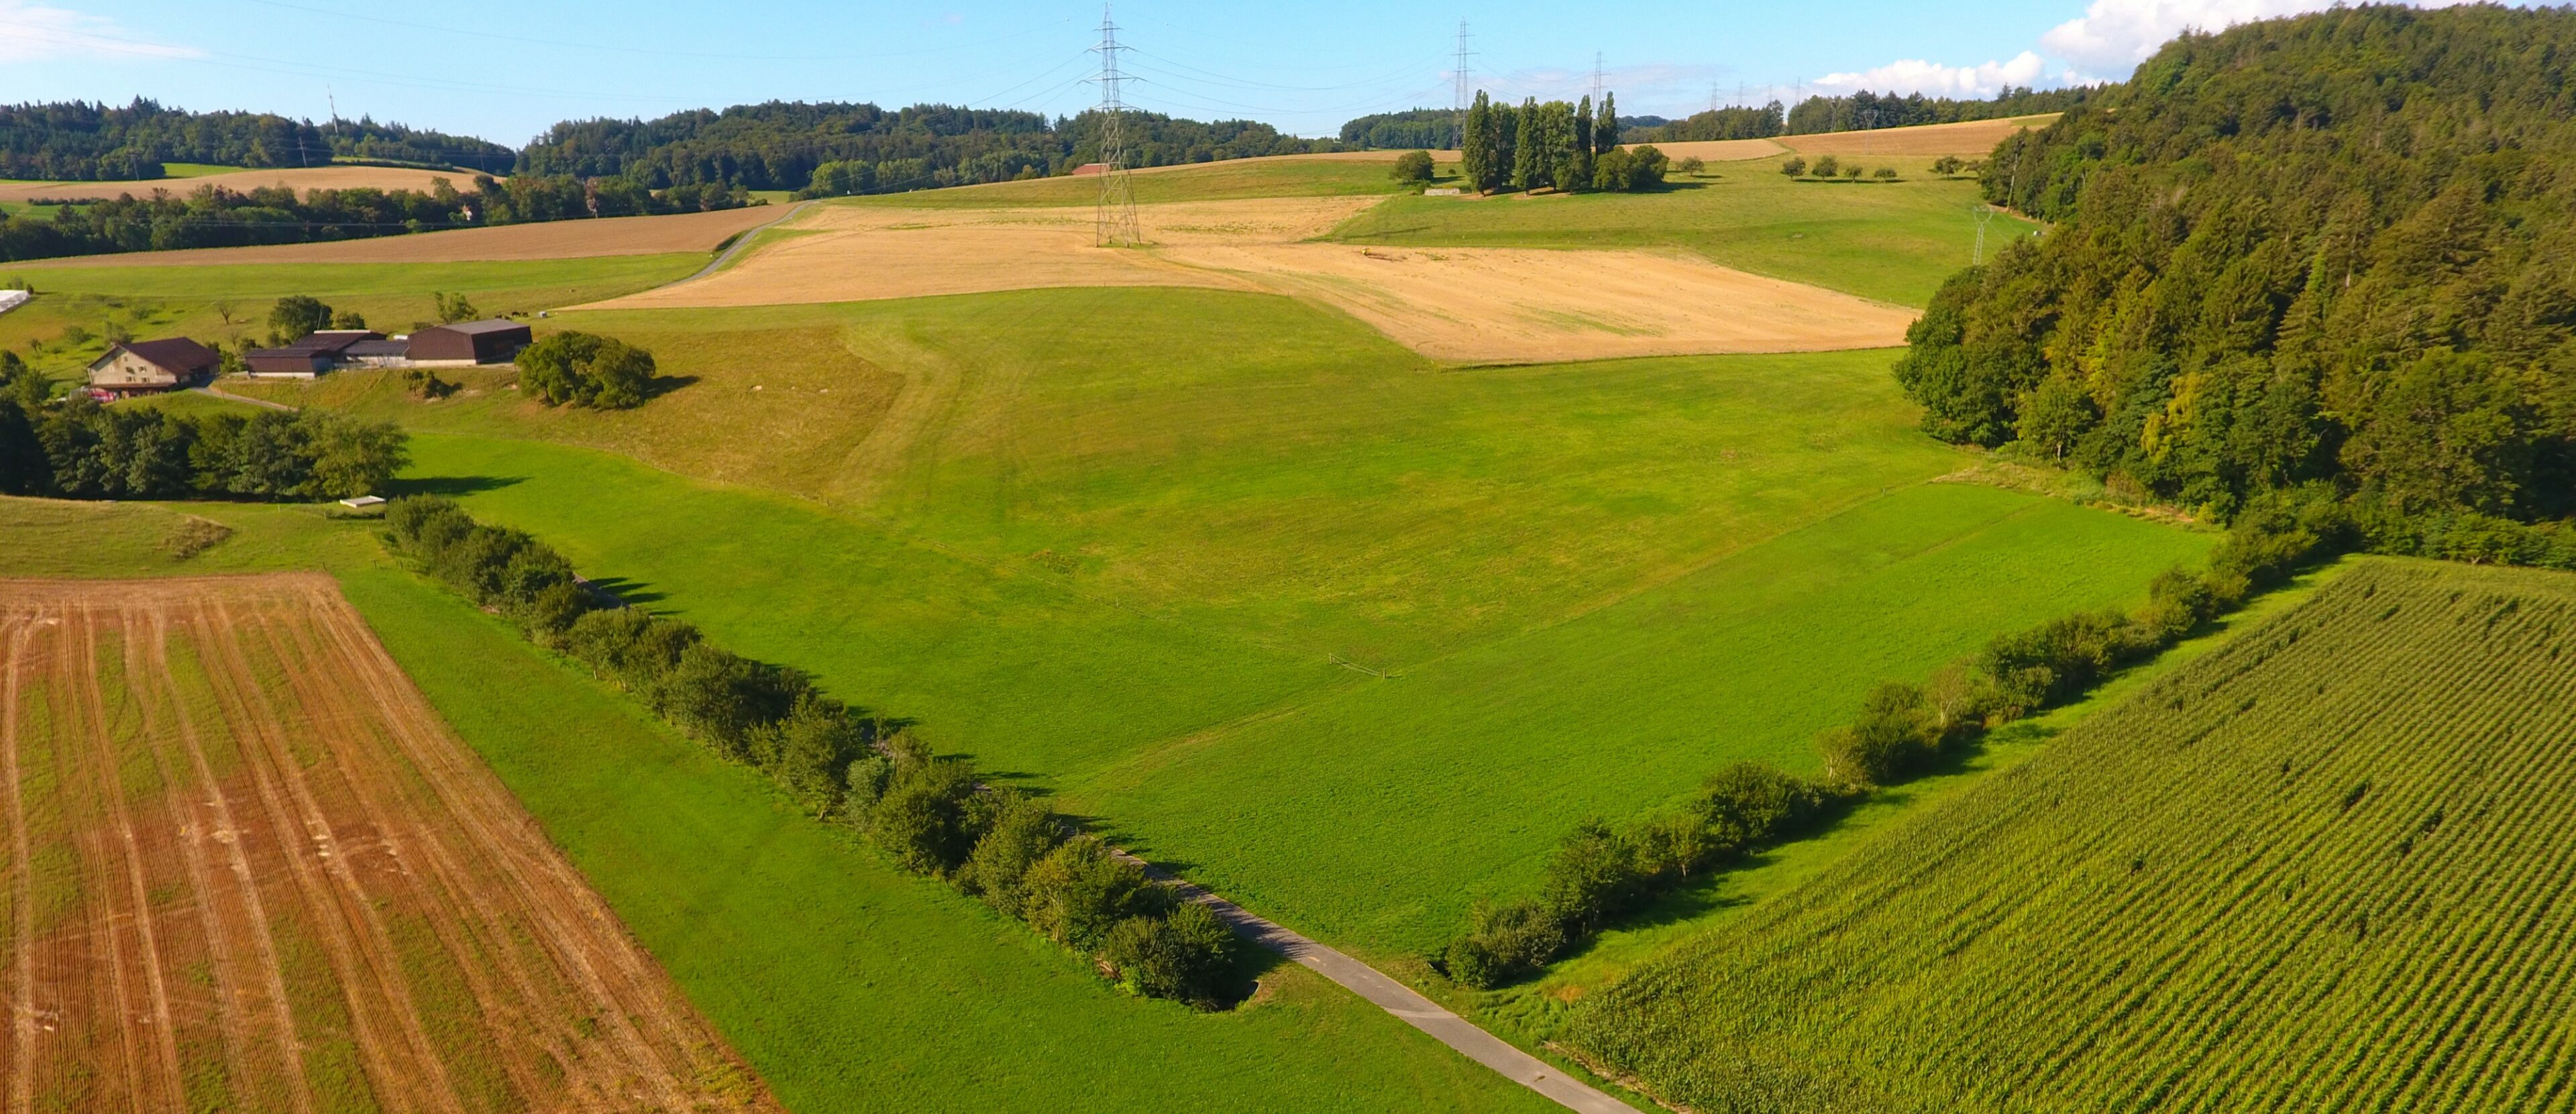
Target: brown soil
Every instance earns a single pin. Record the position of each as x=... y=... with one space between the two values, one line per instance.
x=1484 y=305
x=1973 y=139
x=250 y=869
x=244 y=181
x=1718 y=150
x=567 y=239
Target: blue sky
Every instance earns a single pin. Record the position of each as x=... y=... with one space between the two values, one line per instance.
x=505 y=71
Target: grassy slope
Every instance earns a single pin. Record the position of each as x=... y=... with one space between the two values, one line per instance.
x=848 y=985
x=1892 y=241
x=1124 y=571
x=2310 y=870
x=1216 y=181
x=183 y=301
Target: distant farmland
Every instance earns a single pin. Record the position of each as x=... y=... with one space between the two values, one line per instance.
x=2323 y=868
x=249 y=869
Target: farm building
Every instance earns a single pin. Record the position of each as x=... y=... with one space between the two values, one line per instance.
x=151 y=366
x=468 y=342
x=315 y=354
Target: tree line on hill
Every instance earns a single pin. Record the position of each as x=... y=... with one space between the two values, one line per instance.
x=74 y=448
x=1860 y=111
x=1600 y=873
x=2335 y=252
x=1565 y=147
x=935 y=815
x=212 y=217
x=83 y=142
x=783 y=145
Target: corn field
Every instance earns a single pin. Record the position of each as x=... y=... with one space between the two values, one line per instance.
x=2327 y=867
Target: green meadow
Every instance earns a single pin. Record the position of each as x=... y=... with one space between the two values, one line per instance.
x=1151 y=550
x=847 y=984
x=1891 y=241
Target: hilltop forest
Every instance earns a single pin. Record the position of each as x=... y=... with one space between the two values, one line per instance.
x=779 y=145
x=2335 y=252
x=83 y=142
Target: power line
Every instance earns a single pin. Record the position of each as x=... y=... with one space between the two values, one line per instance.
x=1114 y=222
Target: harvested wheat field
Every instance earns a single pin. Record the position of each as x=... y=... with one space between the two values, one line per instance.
x=1478 y=305
x=249 y=869
x=563 y=239
x=1972 y=138
x=244 y=181
x=1716 y=150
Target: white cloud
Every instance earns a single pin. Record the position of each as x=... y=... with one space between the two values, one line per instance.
x=37 y=32
x=1937 y=80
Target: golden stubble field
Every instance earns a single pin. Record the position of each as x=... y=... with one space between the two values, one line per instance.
x=298 y=179
x=248 y=868
x=1472 y=305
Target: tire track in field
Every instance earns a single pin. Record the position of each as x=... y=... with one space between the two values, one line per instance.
x=164 y=1040
x=245 y=884
x=21 y=1060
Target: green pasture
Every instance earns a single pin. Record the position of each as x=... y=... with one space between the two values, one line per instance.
x=846 y=983
x=1286 y=176
x=1147 y=549
x=1891 y=241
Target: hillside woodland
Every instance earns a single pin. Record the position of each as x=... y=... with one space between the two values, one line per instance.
x=83 y=142
x=1861 y=111
x=2336 y=251
x=781 y=144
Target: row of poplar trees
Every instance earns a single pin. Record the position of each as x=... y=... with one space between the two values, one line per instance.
x=1537 y=146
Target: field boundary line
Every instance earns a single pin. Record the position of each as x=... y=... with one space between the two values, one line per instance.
x=1384 y=992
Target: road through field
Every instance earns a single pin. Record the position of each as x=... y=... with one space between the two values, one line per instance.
x=1396 y=998
x=250 y=869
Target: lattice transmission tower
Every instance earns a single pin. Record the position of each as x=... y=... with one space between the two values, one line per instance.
x=1114 y=223
x=1458 y=99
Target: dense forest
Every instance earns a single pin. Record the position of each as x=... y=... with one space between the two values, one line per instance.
x=93 y=142
x=779 y=145
x=2332 y=253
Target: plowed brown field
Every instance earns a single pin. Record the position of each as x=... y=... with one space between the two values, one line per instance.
x=248 y=868
x=1970 y=139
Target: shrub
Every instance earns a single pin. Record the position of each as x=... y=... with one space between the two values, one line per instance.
x=1853 y=172
x=1825 y=167
x=1505 y=943
x=1748 y=804
x=1185 y=956
x=1022 y=832
x=1079 y=891
x=1794 y=167
x=922 y=818
x=1691 y=165
x=1412 y=167
x=1946 y=165
x=1886 y=172
x=579 y=369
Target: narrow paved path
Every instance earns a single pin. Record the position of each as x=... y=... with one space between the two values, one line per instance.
x=1398 y=999
x=231 y=397
x=739 y=242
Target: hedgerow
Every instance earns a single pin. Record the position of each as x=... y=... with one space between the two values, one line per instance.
x=934 y=815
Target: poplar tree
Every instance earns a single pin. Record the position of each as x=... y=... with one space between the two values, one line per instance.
x=1529 y=147
x=1502 y=140
x=1605 y=131
x=1475 y=147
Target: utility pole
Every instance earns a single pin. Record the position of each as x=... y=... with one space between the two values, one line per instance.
x=1114 y=222
x=1458 y=99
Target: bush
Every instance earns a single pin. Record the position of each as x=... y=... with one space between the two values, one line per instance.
x=1623 y=171
x=1825 y=167
x=922 y=818
x=1946 y=165
x=1749 y=804
x=1886 y=172
x=1412 y=167
x=1023 y=831
x=1080 y=891
x=1794 y=167
x=1186 y=956
x=1506 y=942
x=1691 y=166
x=579 y=369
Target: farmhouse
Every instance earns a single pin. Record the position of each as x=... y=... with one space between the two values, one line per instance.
x=466 y=343
x=461 y=345
x=151 y=366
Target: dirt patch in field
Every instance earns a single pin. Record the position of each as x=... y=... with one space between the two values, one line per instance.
x=1971 y=139
x=250 y=869
x=1484 y=305
x=565 y=239
x=244 y=181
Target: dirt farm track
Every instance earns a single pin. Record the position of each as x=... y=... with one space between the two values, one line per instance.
x=248 y=868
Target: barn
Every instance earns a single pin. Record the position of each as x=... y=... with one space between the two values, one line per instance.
x=311 y=356
x=151 y=366
x=469 y=342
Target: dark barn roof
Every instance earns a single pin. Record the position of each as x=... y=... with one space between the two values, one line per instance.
x=176 y=355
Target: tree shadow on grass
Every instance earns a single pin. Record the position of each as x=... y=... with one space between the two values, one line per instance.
x=451 y=486
x=625 y=591
x=661 y=385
